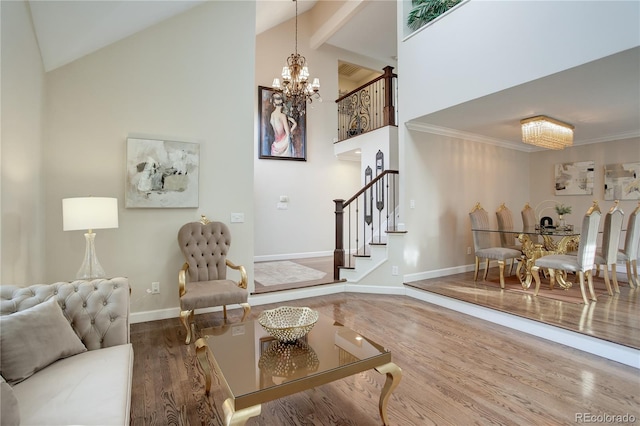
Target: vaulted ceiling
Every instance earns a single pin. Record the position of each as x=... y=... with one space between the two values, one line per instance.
x=602 y=98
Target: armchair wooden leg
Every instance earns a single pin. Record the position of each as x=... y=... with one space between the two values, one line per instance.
x=186 y=318
x=224 y=312
x=246 y=308
x=501 y=266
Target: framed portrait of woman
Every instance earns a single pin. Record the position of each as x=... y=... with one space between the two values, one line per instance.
x=283 y=129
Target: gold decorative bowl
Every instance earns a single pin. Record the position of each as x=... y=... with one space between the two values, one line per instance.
x=288 y=323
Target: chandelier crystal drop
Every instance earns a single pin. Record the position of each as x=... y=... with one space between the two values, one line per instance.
x=295 y=83
x=546 y=132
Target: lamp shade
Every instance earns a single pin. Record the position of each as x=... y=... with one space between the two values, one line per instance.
x=89 y=213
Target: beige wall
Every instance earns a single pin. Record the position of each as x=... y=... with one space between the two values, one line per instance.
x=542 y=180
x=191 y=79
x=22 y=253
x=307 y=226
x=446 y=177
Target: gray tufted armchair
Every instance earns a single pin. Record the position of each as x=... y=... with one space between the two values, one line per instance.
x=203 y=277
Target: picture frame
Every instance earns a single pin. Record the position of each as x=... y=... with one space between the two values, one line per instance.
x=161 y=174
x=574 y=178
x=622 y=181
x=277 y=116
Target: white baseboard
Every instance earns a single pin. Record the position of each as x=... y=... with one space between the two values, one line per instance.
x=289 y=256
x=438 y=273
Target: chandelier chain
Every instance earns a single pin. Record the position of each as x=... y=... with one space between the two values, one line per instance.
x=296 y=86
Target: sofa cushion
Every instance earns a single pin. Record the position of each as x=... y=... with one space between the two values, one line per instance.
x=9 y=409
x=92 y=388
x=34 y=338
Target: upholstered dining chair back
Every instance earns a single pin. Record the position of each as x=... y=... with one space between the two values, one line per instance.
x=588 y=239
x=607 y=256
x=480 y=220
x=611 y=234
x=505 y=223
x=632 y=239
x=581 y=263
x=205 y=248
x=528 y=217
x=629 y=254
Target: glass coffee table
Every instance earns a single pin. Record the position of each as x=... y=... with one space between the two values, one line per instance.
x=254 y=368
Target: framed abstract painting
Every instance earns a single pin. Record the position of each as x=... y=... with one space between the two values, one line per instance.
x=622 y=181
x=574 y=178
x=161 y=174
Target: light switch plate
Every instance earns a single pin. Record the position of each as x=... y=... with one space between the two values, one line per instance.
x=237 y=217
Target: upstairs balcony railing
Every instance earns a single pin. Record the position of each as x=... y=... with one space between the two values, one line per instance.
x=365 y=219
x=369 y=107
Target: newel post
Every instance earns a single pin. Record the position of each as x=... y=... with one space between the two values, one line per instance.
x=388 y=110
x=338 y=253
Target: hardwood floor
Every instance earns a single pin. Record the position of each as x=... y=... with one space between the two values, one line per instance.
x=613 y=318
x=456 y=370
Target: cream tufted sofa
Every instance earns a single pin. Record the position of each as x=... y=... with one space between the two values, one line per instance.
x=91 y=387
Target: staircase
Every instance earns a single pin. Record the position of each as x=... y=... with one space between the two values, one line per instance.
x=366 y=223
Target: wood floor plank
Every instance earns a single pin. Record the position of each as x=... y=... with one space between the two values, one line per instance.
x=456 y=370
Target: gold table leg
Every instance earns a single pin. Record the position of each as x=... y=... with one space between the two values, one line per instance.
x=394 y=375
x=240 y=417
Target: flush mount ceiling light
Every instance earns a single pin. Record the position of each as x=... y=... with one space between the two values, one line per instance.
x=546 y=132
x=295 y=79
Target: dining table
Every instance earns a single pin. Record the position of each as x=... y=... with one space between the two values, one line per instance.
x=539 y=241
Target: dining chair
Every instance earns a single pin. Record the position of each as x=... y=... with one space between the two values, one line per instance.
x=528 y=217
x=505 y=223
x=607 y=255
x=529 y=220
x=484 y=248
x=203 y=279
x=581 y=263
x=629 y=254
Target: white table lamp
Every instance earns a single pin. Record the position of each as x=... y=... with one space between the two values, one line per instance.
x=89 y=213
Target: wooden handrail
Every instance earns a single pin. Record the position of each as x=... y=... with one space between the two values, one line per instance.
x=388 y=74
x=340 y=204
x=361 y=111
x=369 y=185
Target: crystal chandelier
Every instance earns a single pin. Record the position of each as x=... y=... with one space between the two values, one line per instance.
x=295 y=80
x=546 y=132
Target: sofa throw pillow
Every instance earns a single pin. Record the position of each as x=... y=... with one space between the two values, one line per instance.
x=8 y=405
x=34 y=338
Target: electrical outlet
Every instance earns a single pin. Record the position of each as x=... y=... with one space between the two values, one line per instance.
x=155 y=287
x=394 y=270
x=468 y=250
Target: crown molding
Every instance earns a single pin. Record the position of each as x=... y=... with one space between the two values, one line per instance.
x=473 y=137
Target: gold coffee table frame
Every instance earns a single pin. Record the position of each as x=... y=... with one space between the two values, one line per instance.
x=244 y=385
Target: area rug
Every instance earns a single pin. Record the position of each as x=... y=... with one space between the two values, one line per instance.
x=571 y=295
x=281 y=272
